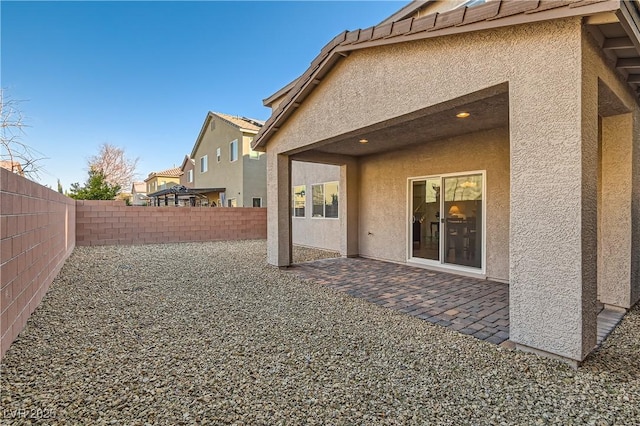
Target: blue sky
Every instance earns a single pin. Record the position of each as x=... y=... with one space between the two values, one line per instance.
x=142 y=75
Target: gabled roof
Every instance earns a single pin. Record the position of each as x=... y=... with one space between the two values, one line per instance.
x=174 y=172
x=244 y=124
x=184 y=162
x=493 y=14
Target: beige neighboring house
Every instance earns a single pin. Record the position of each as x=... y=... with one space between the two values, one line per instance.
x=139 y=194
x=156 y=182
x=224 y=160
x=188 y=169
x=12 y=166
x=499 y=139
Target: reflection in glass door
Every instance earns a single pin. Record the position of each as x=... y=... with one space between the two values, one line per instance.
x=425 y=221
x=446 y=219
x=463 y=225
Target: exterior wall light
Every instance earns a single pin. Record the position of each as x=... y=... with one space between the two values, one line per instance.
x=363 y=141
x=463 y=114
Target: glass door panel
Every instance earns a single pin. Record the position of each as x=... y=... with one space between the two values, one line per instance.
x=462 y=224
x=425 y=219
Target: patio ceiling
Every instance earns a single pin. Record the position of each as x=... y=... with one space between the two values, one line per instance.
x=487 y=109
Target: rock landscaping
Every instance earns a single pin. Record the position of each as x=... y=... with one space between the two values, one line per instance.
x=208 y=333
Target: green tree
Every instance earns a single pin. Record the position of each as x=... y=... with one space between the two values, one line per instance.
x=60 y=187
x=96 y=188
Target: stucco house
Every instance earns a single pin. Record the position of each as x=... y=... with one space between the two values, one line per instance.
x=498 y=139
x=158 y=181
x=224 y=159
x=139 y=194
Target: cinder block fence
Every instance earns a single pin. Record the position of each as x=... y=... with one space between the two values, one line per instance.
x=39 y=229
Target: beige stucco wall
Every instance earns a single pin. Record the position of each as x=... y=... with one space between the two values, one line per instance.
x=619 y=210
x=322 y=233
x=243 y=178
x=255 y=174
x=383 y=195
x=184 y=179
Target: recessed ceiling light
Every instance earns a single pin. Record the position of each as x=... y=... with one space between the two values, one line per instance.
x=363 y=141
x=463 y=114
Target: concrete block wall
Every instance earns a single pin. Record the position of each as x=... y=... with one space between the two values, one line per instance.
x=113 y=223
x=37 y=235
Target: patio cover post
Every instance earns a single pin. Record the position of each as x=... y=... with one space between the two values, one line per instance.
x=279 y=211
x=553 y=211
x=348 y=208
x=615 y=212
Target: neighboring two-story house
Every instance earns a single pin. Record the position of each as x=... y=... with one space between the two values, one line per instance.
x=223 y=160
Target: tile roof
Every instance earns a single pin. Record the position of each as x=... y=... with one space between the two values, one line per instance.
x=173 y=172
x=493 y=14
x=241 y=122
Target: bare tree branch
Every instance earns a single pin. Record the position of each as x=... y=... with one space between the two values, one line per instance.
x=14 y=153
x=114 y=164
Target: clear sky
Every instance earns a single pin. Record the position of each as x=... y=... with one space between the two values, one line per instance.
x=142 y=75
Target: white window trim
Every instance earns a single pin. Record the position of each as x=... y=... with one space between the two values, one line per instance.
x=324 y=213
x=204 y=160
x=190 y=176
x=293 y=207
x=235 y=141
x=256 y=198
x=229 y=201
x=218 y=154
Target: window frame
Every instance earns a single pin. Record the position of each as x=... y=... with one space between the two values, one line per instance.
x=233 y=149
x=190 y=176
x=324 y=200
x=204 y=163
x=218 y=154
x=304 y=200
x=253 y=199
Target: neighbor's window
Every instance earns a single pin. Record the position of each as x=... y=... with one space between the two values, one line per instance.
x=204 y=164
x=257 y=202
x=190 y=176
x=233 y=150
x=218 y=155
x=325 y=200
x=299 y=199
x=231 y=202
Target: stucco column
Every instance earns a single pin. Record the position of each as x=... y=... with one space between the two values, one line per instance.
x=553 y=210
x=348 y=208
x=635 y=209
x=278 y=213
x=615 y=214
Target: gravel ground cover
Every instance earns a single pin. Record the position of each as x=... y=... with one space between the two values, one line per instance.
x=209 y=334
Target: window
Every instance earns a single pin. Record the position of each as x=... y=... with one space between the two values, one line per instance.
x=218 y=154
x=233 y=150
x=257 y=202
x=190 y=176
x=212 y=125
x=298 y=200
x=231 y=202
x=204 y=164
x=325 y=200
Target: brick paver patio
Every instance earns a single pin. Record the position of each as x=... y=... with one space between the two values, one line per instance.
x=471 y=306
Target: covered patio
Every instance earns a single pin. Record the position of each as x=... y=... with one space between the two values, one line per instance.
x=495 y=141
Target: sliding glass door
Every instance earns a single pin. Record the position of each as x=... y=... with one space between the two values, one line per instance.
x=446 y=221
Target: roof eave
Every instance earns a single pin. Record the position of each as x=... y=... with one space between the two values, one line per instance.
x=339 y=51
